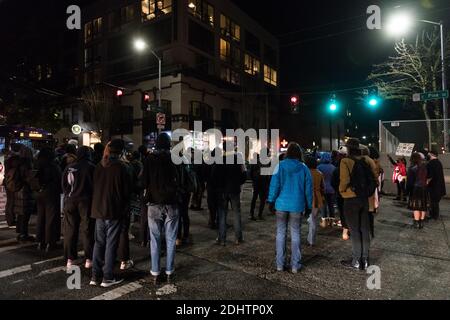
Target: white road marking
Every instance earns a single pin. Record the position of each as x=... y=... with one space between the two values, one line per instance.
x=18 y=281
x=22 y=245
x=28 y=267
x=13 y=271
x=166 y=290
x=120 y=291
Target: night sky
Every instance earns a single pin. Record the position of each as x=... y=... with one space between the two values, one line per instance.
x=325 y=45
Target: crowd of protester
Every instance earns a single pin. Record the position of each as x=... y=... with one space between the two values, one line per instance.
x=100 y=190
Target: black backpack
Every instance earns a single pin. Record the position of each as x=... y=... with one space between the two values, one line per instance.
x=362 y=180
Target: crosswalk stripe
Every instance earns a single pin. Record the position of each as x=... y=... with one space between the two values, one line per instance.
x=28 y=267
x=21 y=245
x=119 y=292
x=13 y=271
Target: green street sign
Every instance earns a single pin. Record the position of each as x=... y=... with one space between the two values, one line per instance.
x=427 y=96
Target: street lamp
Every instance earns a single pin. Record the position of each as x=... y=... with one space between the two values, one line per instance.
x=141 y=46
x=399 y=24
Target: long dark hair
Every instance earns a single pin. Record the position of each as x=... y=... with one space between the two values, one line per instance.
x=294 y=151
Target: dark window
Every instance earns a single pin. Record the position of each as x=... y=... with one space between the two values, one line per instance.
x=200 y=111
x=204 y=65
x=270 y=55
x=252 y=44
x=160 y=32
x=119 y=47
x=201 y=38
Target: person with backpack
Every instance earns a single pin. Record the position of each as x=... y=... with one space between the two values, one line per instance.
x=69 y=157
x=416 y=188
x=358 y=181
x=19 y=201
x=77 y=185
x=318 y=198
x=228 y=179
x=47 y=190
x=110 y=201
x=327 y=169
x=162 y=186
x=290 y=195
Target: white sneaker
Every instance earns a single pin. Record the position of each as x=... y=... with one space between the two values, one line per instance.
x=125 y=265
x=110 y=283
x=88 y=264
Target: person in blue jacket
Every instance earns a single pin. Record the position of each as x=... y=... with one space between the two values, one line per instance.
x=290 y=195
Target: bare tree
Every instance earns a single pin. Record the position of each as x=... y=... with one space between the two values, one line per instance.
x=99 y=104
x=415 y=68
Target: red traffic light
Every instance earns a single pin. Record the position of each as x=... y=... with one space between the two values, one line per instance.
x=146 y=97
x=294 y=100
x=119 y=93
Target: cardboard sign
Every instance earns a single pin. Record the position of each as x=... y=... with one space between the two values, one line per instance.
x=405 y=149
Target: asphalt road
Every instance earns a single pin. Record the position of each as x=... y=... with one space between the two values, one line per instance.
x=414 y=264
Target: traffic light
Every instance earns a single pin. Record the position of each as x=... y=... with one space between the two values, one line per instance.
x=295 y=102
x=146 y=101
x=372 y=98
x=119 y=93
x=333 y=104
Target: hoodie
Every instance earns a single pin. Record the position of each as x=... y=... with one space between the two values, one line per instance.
x=112 y=189
x=77 y=181
x=291 y=187
x=327 y=169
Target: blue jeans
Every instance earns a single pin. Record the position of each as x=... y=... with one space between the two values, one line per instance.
x=283 y=218
x=107 y=233
x=235 y=199
x=312 y=220
x=162 y=218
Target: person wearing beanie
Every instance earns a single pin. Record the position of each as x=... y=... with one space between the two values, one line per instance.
x=162 y=189
x=77 y=184
x=111 y=198
x=436 y=183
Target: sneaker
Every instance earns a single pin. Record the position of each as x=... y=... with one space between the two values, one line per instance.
x=88 y=264
x=69 y=264
x=110 y=283
x=295 y=271
x=352 y=264
x=280 y=269
x=94 y=282
x=125 y=265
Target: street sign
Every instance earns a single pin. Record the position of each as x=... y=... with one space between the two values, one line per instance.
x=395 y=124
x=427 y=96
x=160 y=119
x=405 y=149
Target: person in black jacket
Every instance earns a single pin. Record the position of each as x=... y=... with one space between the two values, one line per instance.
x=211 y=196
x=47 y=188
x=77 y=184
x=162 y=193
x=261 y=185
x=227 y=181
x=111 y=197
x=436 y=183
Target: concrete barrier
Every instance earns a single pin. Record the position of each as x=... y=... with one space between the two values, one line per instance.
x=391 y=188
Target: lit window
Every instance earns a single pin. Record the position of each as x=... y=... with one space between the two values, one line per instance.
x=224 y=50
x=229 y=28
x=155 y=8
x=202 y=10
x=270 y=75
x=230 y=75
x=92 y=29
x=252 y=65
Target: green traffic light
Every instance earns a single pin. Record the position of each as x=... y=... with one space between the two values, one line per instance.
x=333 y=107
x=373 y=102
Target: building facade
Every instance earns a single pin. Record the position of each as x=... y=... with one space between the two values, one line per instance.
x=218 y=66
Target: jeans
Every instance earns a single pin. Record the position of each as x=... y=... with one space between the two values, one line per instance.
x=235 y=199
x=328 y=210
x=357 y=217
x=312 y=220
x=283 y=218
x=77 y=219
x=159 y=217
x=107 y=233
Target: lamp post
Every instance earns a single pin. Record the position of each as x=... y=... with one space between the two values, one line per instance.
x=399 y=24
x=140 y=46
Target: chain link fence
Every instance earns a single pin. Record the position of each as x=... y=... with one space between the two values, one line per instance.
x=424 y=134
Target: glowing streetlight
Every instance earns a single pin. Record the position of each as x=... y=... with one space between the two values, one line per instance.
x=399 y=24
x=140 y=45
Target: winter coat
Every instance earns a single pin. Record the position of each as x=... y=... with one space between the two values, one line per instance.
x=228 y=178
x=436 y=185
x=112 y=189
x=318 y=188
x=20 y=202
x=78 y=180
x=327 y=170
x=291 y=188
